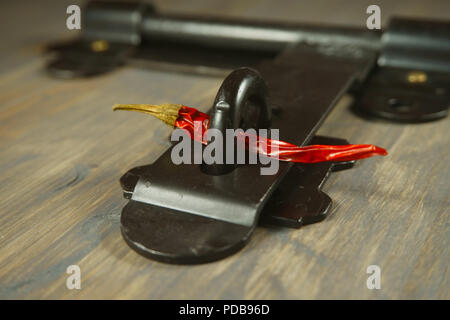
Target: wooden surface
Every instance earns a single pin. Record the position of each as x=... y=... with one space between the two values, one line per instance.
x=62 y=152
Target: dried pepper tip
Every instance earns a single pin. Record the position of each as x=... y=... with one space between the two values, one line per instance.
x=379 y=151
x=166 y=112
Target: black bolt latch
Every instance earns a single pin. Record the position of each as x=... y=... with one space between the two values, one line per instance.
x=294 y=77
x=408 y=80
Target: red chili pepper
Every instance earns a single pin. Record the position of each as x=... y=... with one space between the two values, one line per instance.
x=283 y=150
x=185 y=117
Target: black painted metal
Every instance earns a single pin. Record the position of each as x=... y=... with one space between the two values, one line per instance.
x=410 y=46
x=231 y=203
x=299 y=199
x=138 y=34
x=175 y=236
x=388 y=94
x=78 y=60
x=136 y=23
x=416 y=45
x=115 y=22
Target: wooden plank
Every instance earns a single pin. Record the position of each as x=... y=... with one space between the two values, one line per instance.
x=62 y=151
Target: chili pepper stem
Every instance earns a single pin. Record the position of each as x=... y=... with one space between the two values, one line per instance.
x=166 y=112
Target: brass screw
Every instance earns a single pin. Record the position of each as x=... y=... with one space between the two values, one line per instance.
x=99 y=45
x=417 y=77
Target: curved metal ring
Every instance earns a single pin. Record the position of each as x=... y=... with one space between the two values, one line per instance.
x=242 y=102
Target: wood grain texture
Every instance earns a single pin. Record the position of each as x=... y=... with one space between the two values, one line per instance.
x=63 y=150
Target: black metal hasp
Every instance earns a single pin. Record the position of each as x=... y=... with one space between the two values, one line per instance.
x=191 y=213
x=408 y=81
